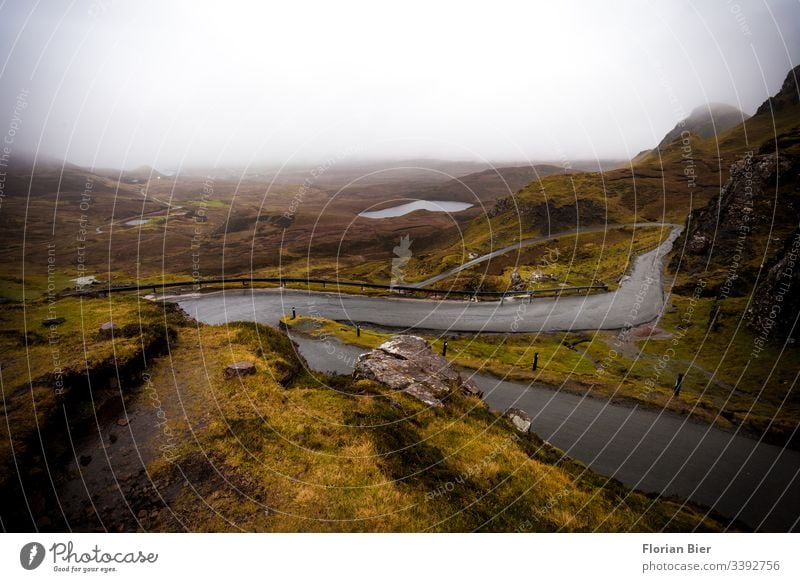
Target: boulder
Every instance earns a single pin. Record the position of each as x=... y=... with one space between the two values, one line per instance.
x=239 y=369
x=51 y=321
x=108 y=329
x=519 y=418
x=407 y=363
x=516 y=278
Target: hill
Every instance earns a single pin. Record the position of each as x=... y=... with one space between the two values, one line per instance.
x=706 y=121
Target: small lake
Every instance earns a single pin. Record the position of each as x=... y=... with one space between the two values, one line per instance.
x=137 y=222
x=430 y=205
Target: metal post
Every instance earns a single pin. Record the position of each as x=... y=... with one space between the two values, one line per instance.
x=444 y=348
x=535 y=360
x=678 y=382
x=294 y=313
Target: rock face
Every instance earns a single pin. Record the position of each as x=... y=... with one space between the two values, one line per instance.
x=407 y=363
x=787 y=97
x=728 y=235
x=519 y=418
x=742 y=204
x=776 y=299
x=239 y=369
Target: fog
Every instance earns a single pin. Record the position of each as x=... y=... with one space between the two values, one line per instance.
x=124 y=84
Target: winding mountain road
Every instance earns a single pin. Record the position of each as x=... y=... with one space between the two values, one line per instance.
x=638 y=300
x=532 y=241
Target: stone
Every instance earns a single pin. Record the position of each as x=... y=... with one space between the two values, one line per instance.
x=51 y=321
x=122 y=422
x=539 y=276
x=519 y=418
x=242 y=368
x=407 y=363
x=85 y=460
x=469 y=388
x=516 y=278
x=108 y=329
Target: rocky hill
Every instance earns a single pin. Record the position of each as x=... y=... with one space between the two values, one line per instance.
x=706 y=121
x=744 y=241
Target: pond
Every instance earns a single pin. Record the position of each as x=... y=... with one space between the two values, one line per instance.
x=403 y=209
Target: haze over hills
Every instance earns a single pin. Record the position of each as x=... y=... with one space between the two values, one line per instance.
x=706 y=121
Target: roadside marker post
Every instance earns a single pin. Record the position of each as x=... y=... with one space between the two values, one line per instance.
x=535 y=360
x=678 y=382
x=444 y=348
x=294 y=313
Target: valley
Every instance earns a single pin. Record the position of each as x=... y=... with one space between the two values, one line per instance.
x=655 y=296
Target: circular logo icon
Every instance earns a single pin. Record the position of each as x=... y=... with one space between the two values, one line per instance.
x=31 y=555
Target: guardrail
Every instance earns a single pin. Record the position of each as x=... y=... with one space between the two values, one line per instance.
x=246 y=282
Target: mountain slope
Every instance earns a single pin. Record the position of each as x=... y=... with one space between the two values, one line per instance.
x=706 y=121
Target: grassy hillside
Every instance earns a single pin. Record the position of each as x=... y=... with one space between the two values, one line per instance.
x=281 y=450
x=721 y=386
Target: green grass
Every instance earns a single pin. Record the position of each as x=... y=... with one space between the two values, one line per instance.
x=637 y=372
x=583 y=259
x=43 y=368
x=317 y=453
x=297 y=451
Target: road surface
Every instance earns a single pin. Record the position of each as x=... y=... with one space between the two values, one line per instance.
x=638 y=300
x=529 y=242
x=647 y=449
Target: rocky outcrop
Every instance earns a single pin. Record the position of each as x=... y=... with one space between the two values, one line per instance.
x=746 y=242
x=787 y=97
x=239 y=369
x=519 y=418
x=729 y=234
x=407 y=363
x=736 y=208
x=776 y=299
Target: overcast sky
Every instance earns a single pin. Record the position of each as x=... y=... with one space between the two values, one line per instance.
x=122 y=84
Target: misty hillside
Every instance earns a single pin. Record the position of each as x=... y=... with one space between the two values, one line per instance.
x=706 y=121
x=488 y=185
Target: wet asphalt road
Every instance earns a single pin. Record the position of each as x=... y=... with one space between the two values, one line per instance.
x=654 y=451
x=638 y=300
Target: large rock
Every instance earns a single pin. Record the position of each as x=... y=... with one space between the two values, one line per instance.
x=108 y=329
x=407 y=363
x=239 y=369
x=519 y=418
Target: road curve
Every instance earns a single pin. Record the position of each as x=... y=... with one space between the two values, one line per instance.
x=638 y=300
x=647 y=449
x=529 y=242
